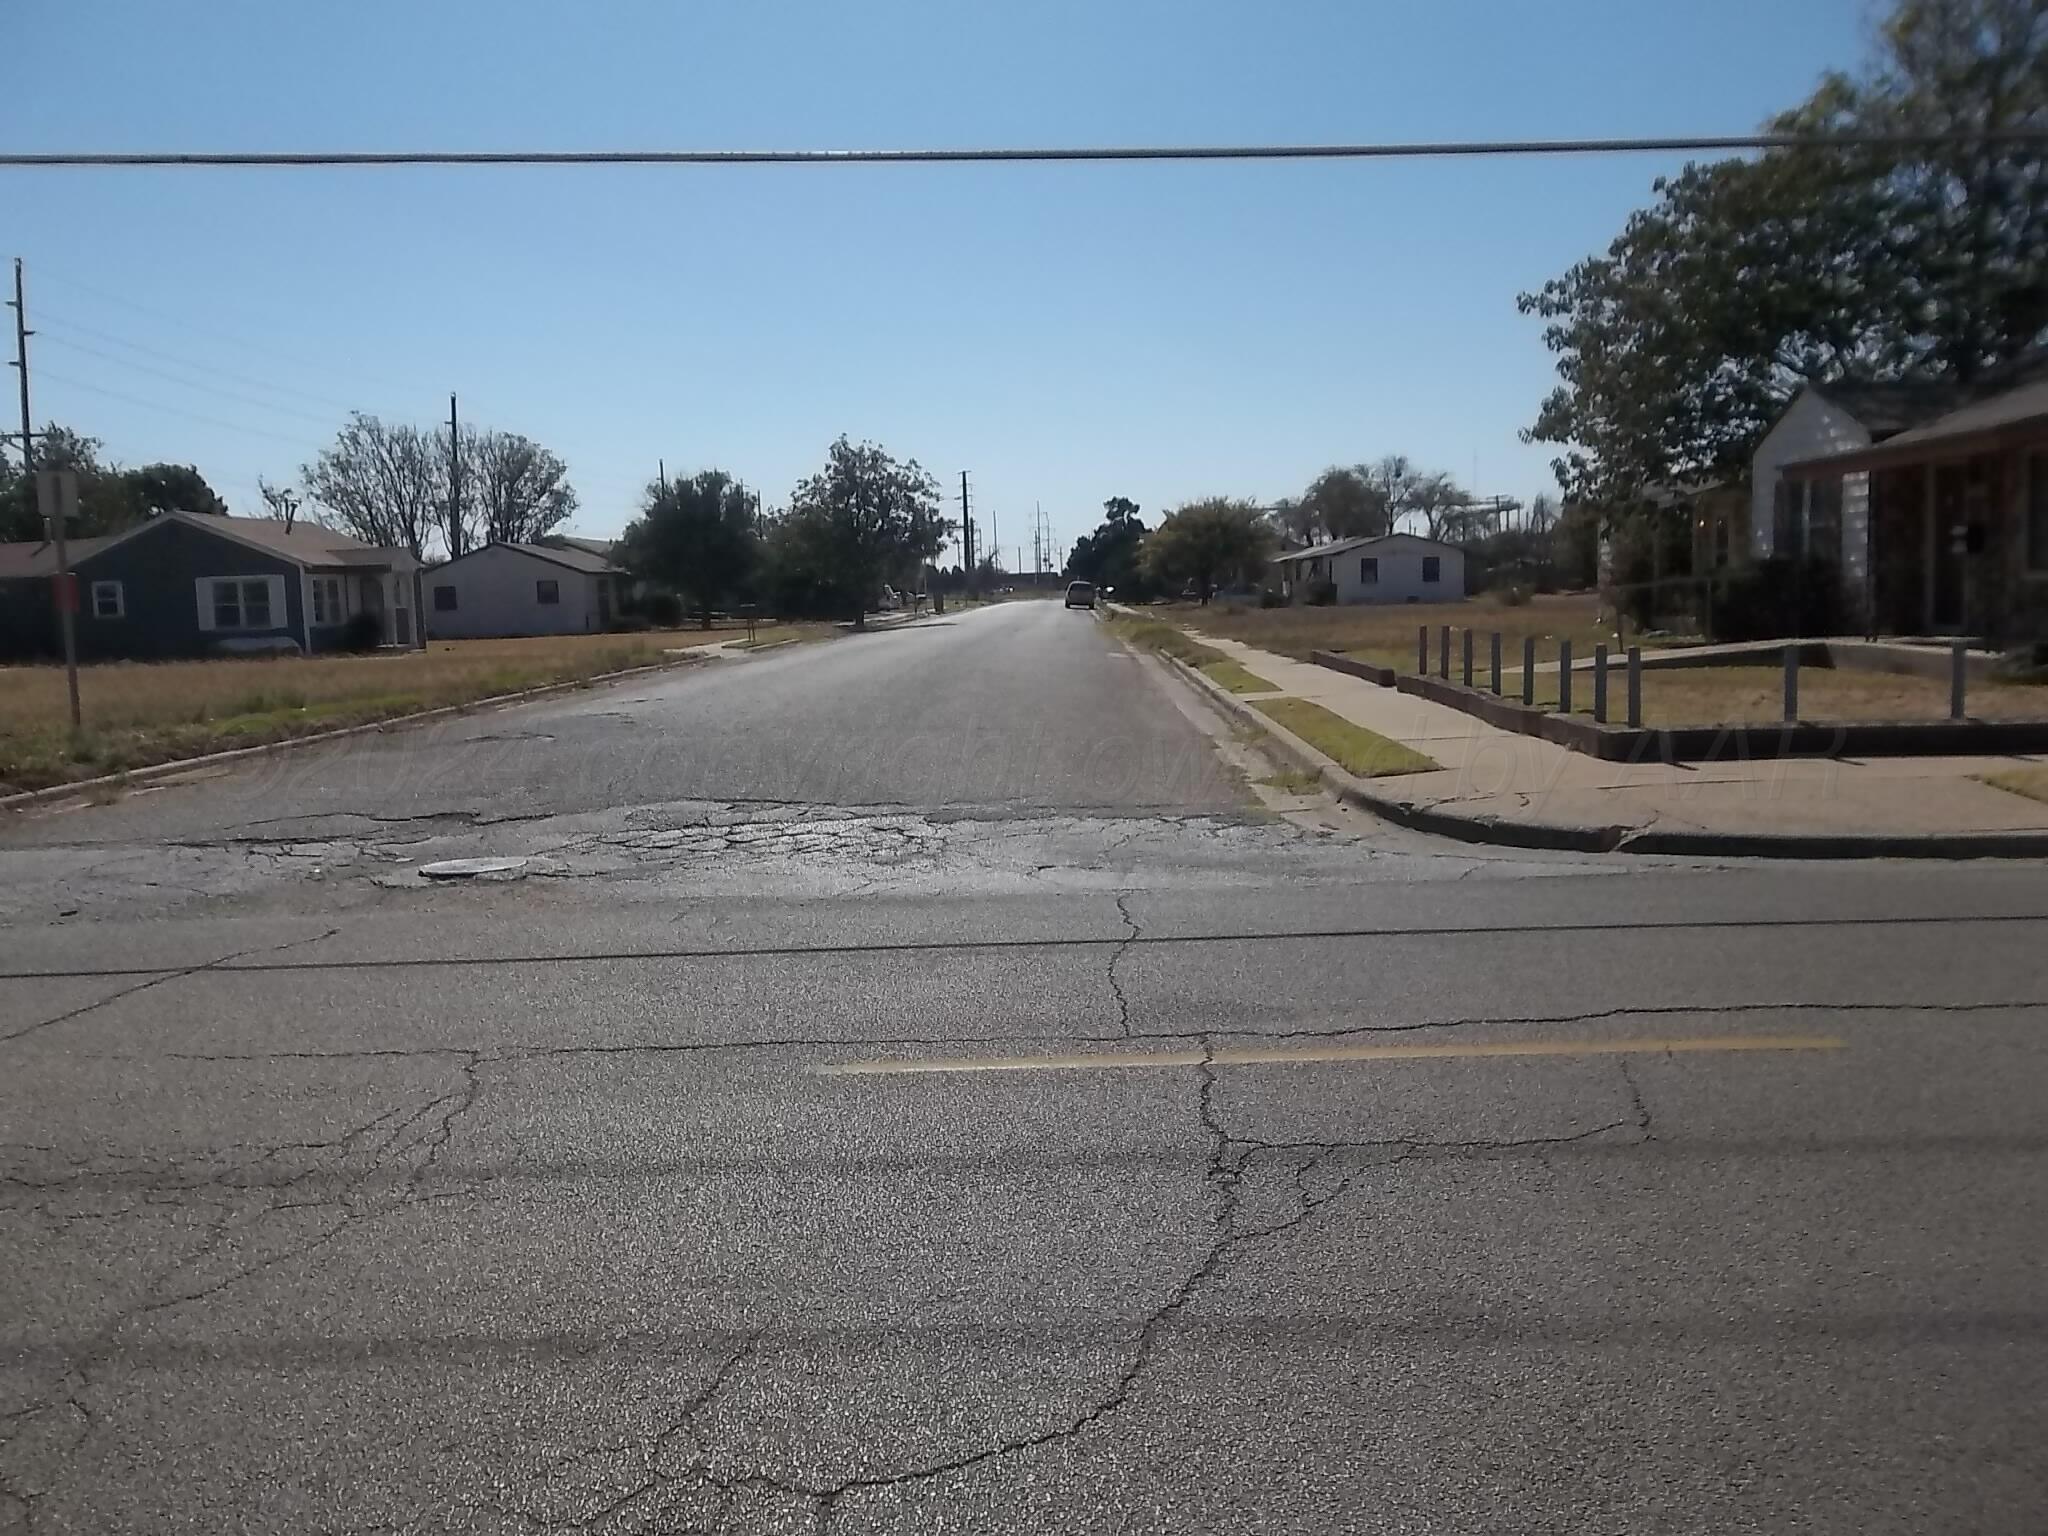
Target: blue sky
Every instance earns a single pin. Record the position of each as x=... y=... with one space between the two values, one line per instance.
x=1067 y=333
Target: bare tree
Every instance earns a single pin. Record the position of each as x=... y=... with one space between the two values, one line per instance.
x=1438 y=500
x=280 y=501
x=384 y=483
x=520 y=491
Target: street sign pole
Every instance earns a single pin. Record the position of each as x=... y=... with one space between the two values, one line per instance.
x=57 y=491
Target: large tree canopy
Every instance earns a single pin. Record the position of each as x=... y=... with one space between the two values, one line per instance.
x=1678 y=346
x=1109 y=556
x=698 y=536
x=861 y=520
x=110 y=498
x=1207 y=542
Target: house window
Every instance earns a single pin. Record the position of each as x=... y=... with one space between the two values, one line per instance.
x=327 y=600
x=444 y=599
x=108 y=600
x=1369 y=570
x=241 y=602
x=547 y=591
x=2037 y=512
x=1432 y=568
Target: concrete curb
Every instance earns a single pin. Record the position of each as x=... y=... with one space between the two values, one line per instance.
x=155 y=771
x=1576 y=837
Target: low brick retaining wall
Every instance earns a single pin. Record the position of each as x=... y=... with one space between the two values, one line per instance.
x=1711 y=743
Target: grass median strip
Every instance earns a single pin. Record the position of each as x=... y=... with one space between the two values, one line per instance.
x=1170 y=639
x=2031 y=782
x=1355 y=749
x=1228 y=674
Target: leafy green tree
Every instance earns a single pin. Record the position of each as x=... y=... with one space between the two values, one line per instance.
x=1204 y=542
x=161 y=488
x=107 y=498
x=699 y=536
x=1109 y=556
x=862 y=519
x=1679 y=345
x=1347 y=503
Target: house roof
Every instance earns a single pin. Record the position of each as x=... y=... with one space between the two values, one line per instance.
x=1891 y=405
x=571 y=558
x=305 y=544
x=2021 y=412
x=577 y=541
x=39 y=557
x=1345 y=546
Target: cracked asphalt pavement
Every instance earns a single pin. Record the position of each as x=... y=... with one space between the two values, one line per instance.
x=877 y=1106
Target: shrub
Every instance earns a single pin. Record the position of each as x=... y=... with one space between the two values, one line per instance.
x=362 y=632
x=1271 y=597
x=1778 y=597
x=631 y=624
x=1515 y=596
x=1323 y=593
x=664 y=609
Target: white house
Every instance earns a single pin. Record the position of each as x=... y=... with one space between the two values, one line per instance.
x=1830 y=518
x=1389 y=568
x=520 y=589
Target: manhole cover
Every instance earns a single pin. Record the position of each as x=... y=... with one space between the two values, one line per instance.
x=472 y=869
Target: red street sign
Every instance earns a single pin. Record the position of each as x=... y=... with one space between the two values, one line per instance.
x=66 y=587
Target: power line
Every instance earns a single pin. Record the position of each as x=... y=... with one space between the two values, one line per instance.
x=1677 y=144
x=185 y=323
x=237 y=396
x=186 y=363
x=169 y=410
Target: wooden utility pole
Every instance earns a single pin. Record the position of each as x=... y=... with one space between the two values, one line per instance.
x=63 y=592
x=966 y=532
x=454 y=480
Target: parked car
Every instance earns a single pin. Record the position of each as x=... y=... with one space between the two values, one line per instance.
x=1080 y=594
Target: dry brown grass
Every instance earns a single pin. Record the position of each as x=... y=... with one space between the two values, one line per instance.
x=1386 y=634
x=1756 y=696
x=2031 y=782
x=139 y=713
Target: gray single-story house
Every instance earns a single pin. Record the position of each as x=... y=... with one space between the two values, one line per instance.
x=184 y=584
x=1387 y=568
x=522 y=589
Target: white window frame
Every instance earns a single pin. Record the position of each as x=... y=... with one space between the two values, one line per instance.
x=327 y=601
x=120 y=594
x=210 y=607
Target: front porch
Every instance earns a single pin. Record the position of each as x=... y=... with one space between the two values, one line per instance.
x=1957 y=532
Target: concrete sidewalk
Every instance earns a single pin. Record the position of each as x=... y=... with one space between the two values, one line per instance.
x=1501 y=786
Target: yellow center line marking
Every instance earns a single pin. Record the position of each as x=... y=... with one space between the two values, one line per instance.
x=1275 y=1055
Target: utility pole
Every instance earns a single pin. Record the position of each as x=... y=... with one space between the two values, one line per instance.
x=995 y=537
x=661 y=474
x=966 y=532
x=454 y=481
x=66 y=595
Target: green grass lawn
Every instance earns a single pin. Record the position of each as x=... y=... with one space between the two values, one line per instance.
x=1156 y=635
x=1228 y=674
x=1356 y=749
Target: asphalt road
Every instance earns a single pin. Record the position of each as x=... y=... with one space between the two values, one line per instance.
x=1264 y=1169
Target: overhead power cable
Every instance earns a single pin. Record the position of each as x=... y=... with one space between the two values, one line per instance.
x=169 y=410
x=1674 y=144
x=66 y=325
x=238 y=397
